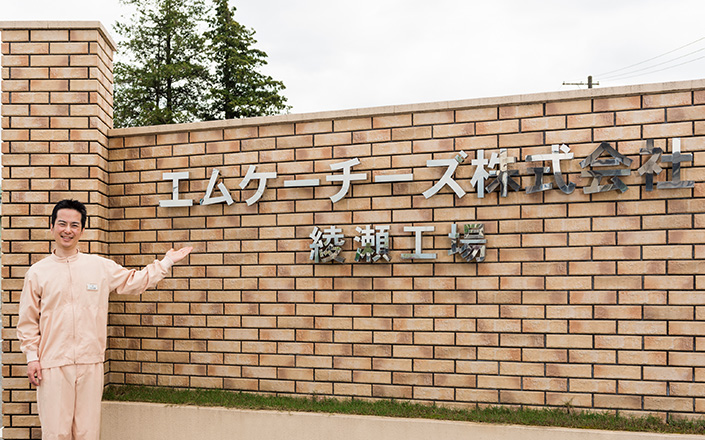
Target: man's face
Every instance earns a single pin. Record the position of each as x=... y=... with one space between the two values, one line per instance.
x=67 y=230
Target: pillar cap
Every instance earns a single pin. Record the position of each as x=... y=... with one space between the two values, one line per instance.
x=70 y=25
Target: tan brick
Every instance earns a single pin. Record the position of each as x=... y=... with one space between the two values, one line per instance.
x=512 y=340
x=391 y=121
x=545 y=355
x=543 y=123
x=49 y=35
x=453 y=130
x=15 y=35
x=687 y=389
x=642 y=267
x=668 y=373
x=591 y=120
x=617 y=401
x=616 y=133
x=68 y=48
x=641 y=237
x=641 y=387
x=636 y=117
x=29 y=48
x=332 y=139
x=667 y=100
x=381 y=135
x=313 y=127
x=496 y=127
x=476 y=114
x=618 y=342
x=593 y=385
x=591 y=267
x=240 y=133
x=568 y=341
x=569 y=136
x=668 y=404
x=522 y=397
x=668 y=343
x=617 y=372
x=568 y=107
x=618 y=312
x=642 y=357
x=434 y=118
x=686 y=359
x=669 y=282
x=434 y=145
x=546 y=384
x=521 y=111
x=668 y=130
x=617 y=103
x=667 y=221
x=521 y=140
x=352 y=124
x=685 y=113
x=255 y=144
x=568 y=283
x=616 y=253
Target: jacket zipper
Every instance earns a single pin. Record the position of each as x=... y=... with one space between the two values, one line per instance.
x=73 y=310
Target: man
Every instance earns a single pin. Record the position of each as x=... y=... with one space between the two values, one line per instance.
x=63 y=320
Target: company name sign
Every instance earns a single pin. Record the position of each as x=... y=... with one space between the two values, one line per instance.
x=605 y=167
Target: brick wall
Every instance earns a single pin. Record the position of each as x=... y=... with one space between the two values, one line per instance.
x=588 y=300
x=56 y=112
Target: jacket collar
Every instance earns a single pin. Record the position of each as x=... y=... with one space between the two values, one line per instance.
x=69 y=259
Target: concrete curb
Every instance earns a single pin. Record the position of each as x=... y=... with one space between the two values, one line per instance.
x=137 y=421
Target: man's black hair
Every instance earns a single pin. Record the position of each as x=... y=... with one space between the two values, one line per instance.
x=70 y=204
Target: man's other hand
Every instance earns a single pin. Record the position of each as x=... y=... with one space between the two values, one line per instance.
x=34 y=372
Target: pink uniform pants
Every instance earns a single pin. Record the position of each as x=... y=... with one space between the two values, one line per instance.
x=69 y=399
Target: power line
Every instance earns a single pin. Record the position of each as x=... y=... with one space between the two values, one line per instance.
x=659 y=70
x=654 y=65
x=651 y=59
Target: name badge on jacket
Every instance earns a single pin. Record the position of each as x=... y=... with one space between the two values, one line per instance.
x=92 y=287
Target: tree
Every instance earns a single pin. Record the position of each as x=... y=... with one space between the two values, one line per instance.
x=239 y=90
x=164 y=80
x=176 y=73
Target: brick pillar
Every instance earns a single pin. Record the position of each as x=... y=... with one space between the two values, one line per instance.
x=56 y=112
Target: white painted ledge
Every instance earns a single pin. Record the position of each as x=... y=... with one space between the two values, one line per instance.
x=148 y=421
x=566 y=95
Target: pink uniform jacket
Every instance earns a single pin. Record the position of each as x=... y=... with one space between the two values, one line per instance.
x=63 y=312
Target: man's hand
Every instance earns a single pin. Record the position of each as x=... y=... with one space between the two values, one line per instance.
x=34 y=372
x=179 y=255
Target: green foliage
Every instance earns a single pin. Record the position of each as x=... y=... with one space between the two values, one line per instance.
x=239 y=90
x=564 y=417
x=187 y=61
x=164 y=80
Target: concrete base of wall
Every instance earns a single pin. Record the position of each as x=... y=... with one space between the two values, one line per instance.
x=137 y=421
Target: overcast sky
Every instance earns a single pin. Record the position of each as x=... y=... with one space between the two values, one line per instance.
x=335 y=55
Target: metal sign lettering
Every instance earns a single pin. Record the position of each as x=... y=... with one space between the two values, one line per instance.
x=593 y=160
x=555 y=157
x=374 y=244
x=504 y=177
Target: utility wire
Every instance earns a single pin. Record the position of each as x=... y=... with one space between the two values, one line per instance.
x=651 y=59
x=652 y=66
x=659 y=70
